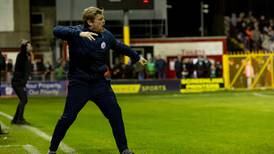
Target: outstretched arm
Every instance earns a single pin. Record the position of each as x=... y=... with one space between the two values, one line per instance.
x=88 y=35
x=68 y=32
x=126 y=50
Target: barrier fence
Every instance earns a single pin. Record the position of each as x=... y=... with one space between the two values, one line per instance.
x=240 y=71
x=248 y=71
x=59 y=88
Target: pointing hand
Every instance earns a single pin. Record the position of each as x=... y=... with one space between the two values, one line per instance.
x=142 y=60
x=88 y=35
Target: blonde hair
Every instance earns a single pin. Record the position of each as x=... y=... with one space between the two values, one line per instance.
x=90 y=13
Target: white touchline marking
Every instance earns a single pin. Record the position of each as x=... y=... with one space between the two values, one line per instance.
x=65 y=148
x=6 y=115
x=9 y=146
x=3 y=125
x=29 y=148
x=45 y=136
x=261 y=95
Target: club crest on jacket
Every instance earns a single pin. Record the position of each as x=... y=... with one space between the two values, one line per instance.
x=103 y=45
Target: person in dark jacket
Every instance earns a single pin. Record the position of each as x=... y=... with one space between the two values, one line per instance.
x=89 y=45
x=21 y=75
x=160 y=65
x=178 y=67
x=2 y=67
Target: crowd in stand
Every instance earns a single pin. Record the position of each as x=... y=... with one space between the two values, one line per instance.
x=156 y=68
x=247 y=32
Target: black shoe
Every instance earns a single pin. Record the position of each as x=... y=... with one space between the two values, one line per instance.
x=13 y=121
x=51 y=152
x=127 y=151
x=20 y=122
x=3 y=131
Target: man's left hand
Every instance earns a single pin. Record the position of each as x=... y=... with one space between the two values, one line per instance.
x=142 y=60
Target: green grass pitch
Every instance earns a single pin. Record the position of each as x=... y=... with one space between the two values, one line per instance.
x=202 y=123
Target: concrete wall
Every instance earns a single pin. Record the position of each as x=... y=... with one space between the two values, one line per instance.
x=42 y=36
x=48 y=20
x=11 y=39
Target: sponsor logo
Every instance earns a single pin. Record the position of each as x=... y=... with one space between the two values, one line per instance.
x=153 y=88
x=200 y=85
x=126 y=88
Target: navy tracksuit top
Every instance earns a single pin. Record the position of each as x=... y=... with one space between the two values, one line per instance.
x=88 y=58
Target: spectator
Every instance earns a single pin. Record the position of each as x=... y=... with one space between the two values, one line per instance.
x=249 y=73
x=185 y=71
x=200 y=67
x=150 y=69
x=9 y=70
x=219 y=69
x=190 y=67
x=207 y=67
x=178 y=68
x=20 y=78
x=256 y=37
x=160 y=65
x=250 y=34
x=2 y=68
x=213 y=70
x=140 y=71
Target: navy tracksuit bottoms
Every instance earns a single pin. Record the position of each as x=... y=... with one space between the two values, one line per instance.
x=100 y=92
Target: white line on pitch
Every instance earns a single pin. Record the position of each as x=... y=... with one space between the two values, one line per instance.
x=261 y=95
x=65 y=148
x=9 y=146
x=29 y=148
x=3 y=125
